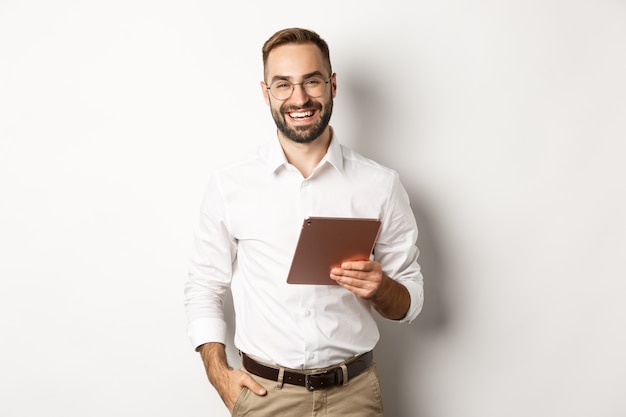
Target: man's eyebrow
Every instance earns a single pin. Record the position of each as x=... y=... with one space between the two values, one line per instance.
x=289 y=78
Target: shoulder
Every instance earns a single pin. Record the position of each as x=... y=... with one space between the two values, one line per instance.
x=361 y=165
x=239 y=174
x=250 y=159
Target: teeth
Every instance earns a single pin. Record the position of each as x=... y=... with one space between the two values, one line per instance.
x=297 y=115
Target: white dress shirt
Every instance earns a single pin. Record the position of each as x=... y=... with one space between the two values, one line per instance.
x=250 y=220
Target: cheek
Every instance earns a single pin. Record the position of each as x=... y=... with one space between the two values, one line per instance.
x=276 y=109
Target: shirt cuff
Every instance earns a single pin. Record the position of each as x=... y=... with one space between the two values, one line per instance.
x=416 y=291
x=206 y=330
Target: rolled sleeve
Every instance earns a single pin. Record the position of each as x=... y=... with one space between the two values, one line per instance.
x=210 y=272
x=397 y=249
x=206 y=330
x=416 y=291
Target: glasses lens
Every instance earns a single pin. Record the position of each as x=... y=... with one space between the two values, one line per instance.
x=281 y=89
x=313 y=87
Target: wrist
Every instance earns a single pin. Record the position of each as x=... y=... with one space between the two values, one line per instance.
x=392 y=300
x=214 y=358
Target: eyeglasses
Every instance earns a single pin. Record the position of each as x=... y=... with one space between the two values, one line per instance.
x=313 y=87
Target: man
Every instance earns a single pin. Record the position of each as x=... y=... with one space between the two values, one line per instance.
x=306 y=349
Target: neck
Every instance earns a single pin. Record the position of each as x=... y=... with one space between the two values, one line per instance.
x=306 y=156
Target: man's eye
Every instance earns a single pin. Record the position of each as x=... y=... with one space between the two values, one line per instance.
x=313 y=82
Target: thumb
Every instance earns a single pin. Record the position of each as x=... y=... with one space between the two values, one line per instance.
x=254 y=386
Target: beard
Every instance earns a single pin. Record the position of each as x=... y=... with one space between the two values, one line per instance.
x=303 y=134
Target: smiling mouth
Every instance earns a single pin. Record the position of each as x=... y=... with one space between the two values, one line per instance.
x=301 y=115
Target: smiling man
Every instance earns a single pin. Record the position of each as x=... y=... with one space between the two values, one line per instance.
x=308 y=118
x=306 y=349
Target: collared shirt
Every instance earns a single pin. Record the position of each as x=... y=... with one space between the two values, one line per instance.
x=250 y=220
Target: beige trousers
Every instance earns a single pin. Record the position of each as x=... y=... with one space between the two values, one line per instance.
x=360 y=397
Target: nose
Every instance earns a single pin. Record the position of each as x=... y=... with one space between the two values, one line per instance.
x=299 y=95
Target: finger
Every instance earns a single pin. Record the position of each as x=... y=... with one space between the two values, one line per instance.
x=346 y=277
x=360 y=290
x=253 y=386
x=338 y=273
x=352 y=283
x=357 y=266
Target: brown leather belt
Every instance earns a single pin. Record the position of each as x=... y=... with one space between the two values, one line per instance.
x=319 y=380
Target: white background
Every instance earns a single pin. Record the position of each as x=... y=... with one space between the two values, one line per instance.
x=505 y=119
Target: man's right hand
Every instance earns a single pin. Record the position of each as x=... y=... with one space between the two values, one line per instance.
x=231 y=386
x=227 y=381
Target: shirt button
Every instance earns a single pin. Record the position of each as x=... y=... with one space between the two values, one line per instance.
x=311 y=356
x=307 y=313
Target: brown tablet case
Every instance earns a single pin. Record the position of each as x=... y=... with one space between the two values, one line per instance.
x=326 y=242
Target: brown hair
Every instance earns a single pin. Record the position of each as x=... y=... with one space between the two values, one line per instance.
x=298 y=36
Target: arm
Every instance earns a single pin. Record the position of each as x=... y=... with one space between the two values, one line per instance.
x=210 y=271
x=397 y=293
x=227 y=381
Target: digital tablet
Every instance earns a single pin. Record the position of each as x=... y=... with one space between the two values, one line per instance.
x=326 y=242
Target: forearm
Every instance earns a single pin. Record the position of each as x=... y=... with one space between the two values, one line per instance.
x=392 y=300
x=215 y=363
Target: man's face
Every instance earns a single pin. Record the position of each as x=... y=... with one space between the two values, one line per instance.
x=299 y=118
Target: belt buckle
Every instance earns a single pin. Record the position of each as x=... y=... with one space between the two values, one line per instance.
x=307 y=380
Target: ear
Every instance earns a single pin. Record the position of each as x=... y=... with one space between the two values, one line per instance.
x=265 y=93
x=333 y=83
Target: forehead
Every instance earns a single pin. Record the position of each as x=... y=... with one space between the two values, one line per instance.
x=293 y=60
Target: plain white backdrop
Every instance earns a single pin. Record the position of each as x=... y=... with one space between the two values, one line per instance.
x=505 y=119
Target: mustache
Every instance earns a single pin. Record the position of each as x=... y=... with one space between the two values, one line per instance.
x=307 y=105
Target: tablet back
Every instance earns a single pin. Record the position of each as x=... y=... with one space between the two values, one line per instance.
x=326 y=242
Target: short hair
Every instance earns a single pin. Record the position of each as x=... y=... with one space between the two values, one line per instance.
x=297 y=36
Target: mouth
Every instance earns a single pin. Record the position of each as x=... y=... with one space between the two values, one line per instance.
x=301 y=115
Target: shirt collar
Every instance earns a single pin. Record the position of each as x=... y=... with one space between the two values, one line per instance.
x=334 y=155
x=276 y=157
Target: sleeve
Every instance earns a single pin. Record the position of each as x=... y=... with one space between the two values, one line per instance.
x=396 y=249
x=210 y=270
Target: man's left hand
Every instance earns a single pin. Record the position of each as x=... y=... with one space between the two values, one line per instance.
x=363 y=278
x=366 y=279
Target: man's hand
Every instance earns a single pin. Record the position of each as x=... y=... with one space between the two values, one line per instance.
x=366 y=280
x=363 y=278
x=228 y=382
